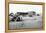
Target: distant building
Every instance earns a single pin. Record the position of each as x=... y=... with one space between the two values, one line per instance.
x=22 y=13
x=27 y=13
x=32 y=13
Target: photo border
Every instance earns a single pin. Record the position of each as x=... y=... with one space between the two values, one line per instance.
x=23 y=2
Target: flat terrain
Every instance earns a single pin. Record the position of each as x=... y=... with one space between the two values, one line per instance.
x=28 y=22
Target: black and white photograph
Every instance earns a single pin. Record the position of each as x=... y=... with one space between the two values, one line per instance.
x=25 y=16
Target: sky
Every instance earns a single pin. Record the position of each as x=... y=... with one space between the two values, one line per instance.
x=14 y=8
